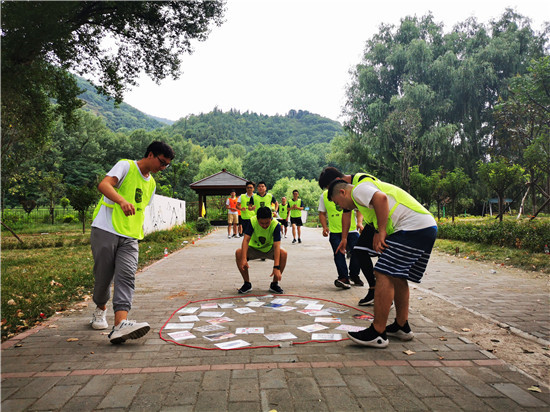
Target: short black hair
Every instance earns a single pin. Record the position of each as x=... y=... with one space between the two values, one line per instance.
x=250 y=182
x=160 y=148
x=261 y=182
x=295 y=190
x=328 y=175
x=333 y=185
x=264 y=213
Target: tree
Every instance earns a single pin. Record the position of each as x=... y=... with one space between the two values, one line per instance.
x=51 y=184
x=309 y=190
x=81 y=199
x=499 y=176
x=268 y=163
x=111 y=41
x=454 y=185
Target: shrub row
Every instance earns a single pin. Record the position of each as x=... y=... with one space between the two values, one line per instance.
x=531 y=236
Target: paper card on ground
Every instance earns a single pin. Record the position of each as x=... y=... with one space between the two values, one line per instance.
x=319 y=313
x=182 y=335
x=273 y=305
x=255 y=304
x=227 y=305
x=327 y=320
x=305 y=301
x=250 y=299
x=219 y=336
x=246 y=331
x=326 y=336
x=212 y=314
x=209 y=306
x=179 y=326
x=308 y=311
x=312 y=328
x=280 y=336
x=314 y=306
x=220 y=320
x=188 y=310
x=210 y=328
x=284 y=308
x=242 y=311
x=189 y=318
x=232 y=344
x=336 y=310
x=280 y=301
x=364 y=316
x=350 y=328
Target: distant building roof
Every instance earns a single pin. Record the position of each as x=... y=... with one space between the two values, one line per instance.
x=220 y=183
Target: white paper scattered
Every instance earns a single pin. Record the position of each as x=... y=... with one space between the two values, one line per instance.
x=210 y=328
x=314 y=306
x=232 y=344
x=284 y=308
x=219 y=336
x=327 y=320
x=242 y=311
x=212 y=314
x=220 y=320
x=209 y=306
x=326 y=336
x=280 y=336
x=320 y=313
x=178 y=326
x=227 y=305
x=246 y=331
x=336 y=310
x=312 y=328
x=306 y=302
x=188 y=310
x=189 y=318
x=280 y=301
x=182 y=335
x=250 y=299
x=350 y=328
x=255 y=304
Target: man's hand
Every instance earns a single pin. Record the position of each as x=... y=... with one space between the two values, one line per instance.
x=127 y=208
x=379 y=241
x=325 y=231
x=342 y=246
x=244 y=264
x=276 y=274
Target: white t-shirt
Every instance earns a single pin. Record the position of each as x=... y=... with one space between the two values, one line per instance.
x=403 y=218
x=239 y=200
x=323 y=209
x=104 y=218
x=229 y=211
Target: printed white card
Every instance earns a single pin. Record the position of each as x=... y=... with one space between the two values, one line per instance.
x=178 y=326
x=188 y=310
x=326 y=336
x=327 y=320
x=189 y=318
x=312 y=328
x=242 y=311
x=280 y=336
x=182 y=335
x=210 y=328
x=232 y=344
x=212 y=314
x=246 y=331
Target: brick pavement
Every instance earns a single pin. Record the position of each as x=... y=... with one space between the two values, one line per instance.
x=41 y=370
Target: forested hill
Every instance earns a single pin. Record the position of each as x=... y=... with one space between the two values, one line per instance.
x=296 y=128
x=116 y=118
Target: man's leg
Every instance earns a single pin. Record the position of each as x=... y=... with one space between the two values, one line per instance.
x=401 y=299
x=228 y=228
x=124 y=279
x=104 y=245
x=294 y=231
x=340 y=261
x=244 y=272
x=383 y=298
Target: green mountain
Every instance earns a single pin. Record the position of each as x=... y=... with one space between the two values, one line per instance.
x=122 y=116
x=296 y=128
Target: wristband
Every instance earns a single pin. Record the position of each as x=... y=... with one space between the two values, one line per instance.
x=277 y=267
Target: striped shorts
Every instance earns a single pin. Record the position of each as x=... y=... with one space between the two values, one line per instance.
x=407 y=254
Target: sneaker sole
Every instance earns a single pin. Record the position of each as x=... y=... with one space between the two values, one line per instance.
x=135 y=334
x=369 y=303
x=277 y=291
x=100 y=326
x=245 y=292
x=342 y=285
x=379 y=342
x=401 y=335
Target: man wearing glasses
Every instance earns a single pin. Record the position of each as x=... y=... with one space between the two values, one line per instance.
x=116 y=228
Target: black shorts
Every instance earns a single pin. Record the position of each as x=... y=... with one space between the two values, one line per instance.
x=296 y=221
x=283 y=222
x=245 y=223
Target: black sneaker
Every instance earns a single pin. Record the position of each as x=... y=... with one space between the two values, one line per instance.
x=245 y=288
x=299 y=240
x=342 y=283
x=400 y=332
x=294 y=241
x=367 y=300
x=356 y=281
x=275 y=288
x=369 y=337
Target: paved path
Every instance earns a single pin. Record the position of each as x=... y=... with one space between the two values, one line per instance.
x=42 y=370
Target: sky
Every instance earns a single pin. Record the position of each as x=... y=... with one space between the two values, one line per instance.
x=271 y=56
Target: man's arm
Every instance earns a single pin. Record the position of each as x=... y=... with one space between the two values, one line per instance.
x=244 y=252
x=276 y=273
x=359 y=218
x=346 y=222
x=323 y=220
x=107 y=188
x=381 y=207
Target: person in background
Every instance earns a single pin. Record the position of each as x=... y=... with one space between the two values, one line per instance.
x=283 y=215
x=262 y=198
x=116 y=228
x=296 y=207
x=232 y=214
x=243 y=205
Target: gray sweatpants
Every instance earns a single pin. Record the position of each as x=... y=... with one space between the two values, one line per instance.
x=115 y=259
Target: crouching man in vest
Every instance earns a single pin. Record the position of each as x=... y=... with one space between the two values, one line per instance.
x=405 y=235
x=116 y=228
x=262 y=240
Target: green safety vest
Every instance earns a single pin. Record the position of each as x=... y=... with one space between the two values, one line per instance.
x=368 y=178
x=245 y=213
x=283 y=211
x=262 y=239
x=136 y=190
x=401 y=198
x=334 y=215
x=295 y=212
x=260 y=201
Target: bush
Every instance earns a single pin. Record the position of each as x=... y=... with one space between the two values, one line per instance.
x=526 y=235
x=70 y=219
x=202 y=225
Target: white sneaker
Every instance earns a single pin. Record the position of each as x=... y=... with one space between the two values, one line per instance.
x=128 y=329
x=99 y=319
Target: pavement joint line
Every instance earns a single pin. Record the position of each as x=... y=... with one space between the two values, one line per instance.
x=500 y=324
x=259 y=366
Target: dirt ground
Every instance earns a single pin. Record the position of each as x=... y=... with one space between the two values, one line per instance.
x=526 y=355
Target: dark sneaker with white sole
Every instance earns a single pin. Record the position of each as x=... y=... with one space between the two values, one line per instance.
x=245 y=288
x=342 y=283
x=275 y=288
x=400 y=332
x=356 y=281
x=369 y=337
x=368 y=300
x=128 y=329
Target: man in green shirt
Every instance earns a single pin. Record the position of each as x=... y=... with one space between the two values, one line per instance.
x=296 y=206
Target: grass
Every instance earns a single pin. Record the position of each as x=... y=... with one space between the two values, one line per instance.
x=51 y=271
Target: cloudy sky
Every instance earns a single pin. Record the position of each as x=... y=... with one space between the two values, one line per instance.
x=271 y=56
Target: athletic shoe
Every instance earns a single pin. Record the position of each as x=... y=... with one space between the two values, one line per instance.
x=356 y=281
x=367 y=300
x=299 y=240
x=245 y=288
x=293 y=240
x=128 y=329
x=285 y=236
x=235 y=236
x=99 y=319
x=369 y=337
x=342 y=283
x=229 y=236
x=275 y=288
x=401 y=332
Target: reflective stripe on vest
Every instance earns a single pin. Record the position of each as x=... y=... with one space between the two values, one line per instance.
x=262 y=239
